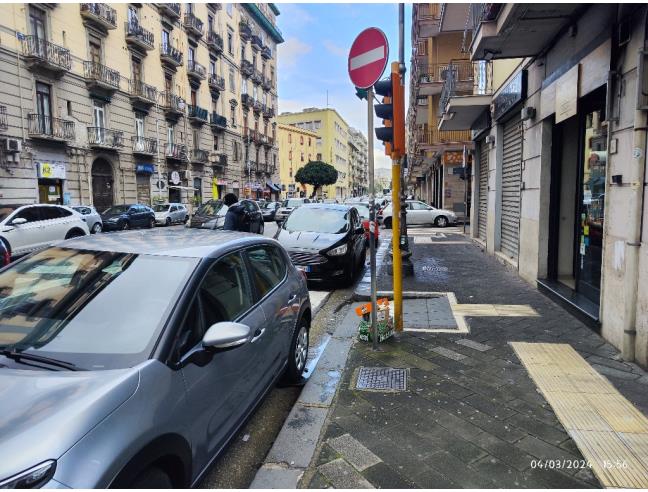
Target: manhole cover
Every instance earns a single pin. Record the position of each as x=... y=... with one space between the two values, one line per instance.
x=381 y=379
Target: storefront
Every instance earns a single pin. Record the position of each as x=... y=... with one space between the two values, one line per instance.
x=51 y=178
x=219 y=188
x=143 y=180
x=175 y=192
x=272 y=191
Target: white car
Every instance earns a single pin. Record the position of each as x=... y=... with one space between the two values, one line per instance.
x=91 y=217
x=419 y=213
x=26 y=228
x=170 y=213
x=288 y=206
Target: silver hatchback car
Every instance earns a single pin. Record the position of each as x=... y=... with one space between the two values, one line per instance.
x=131 y=359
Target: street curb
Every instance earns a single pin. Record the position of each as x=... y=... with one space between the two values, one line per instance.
x=316 y=310
x=295 y=446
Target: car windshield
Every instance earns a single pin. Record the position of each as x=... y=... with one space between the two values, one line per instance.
x=161 y=208
x=363 y=210
x=325 y=220
x=268 y=205
x=117 y=209
x=94 y=309
x=292 y=203
x=6 y=211
x=210 y=208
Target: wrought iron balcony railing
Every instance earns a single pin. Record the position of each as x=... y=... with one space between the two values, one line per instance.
x=199 y=156
x=196 y=70
x=170 y=9
x=193 y=25
x=257 y=44
x=216 y=82
x=215 y=41
x=170 y=55
x=480 y=83
x=478 y=13
x=257 y=77
x=217 y=120
x=266 y=52
x=43 y=126
x=143 y=145
x=172 y=103
x=221 y=160
x=103 y=137
x=434 y=136
x=266 y=84
x=175 y=151
x=463 y=71
x=247 y=68
x=47 y=54
x=268 y=112
x=142 y=91
x=246 y=100
x=99 y=13
x=197 y=113
x=257 y=106
x=138 y=36
x=96 y=72
x=245 y=30
x=4 y=125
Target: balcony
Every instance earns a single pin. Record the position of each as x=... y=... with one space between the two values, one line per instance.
x=245 y=30
x=257 y=107
x=197 y=115
x=256 y=77
x=515 y=30
x=247 y=69
x=219 y=162
x=99 y=15
x=172 y=105
x=170 y=56
x=196 y=71
x=217 y=121
x=142 y=94
x=104 y=138
x=257 y=44
x=144 y=146
x=4 y=125
x=138 y=37
x=175 y=152
x=266 y=52
x=246 y=100
x=193 y=25
x=99 y=76
x=432 y=137
x=216 y=82
x=215 y=42
x=171 y=10
x=49 y=128
x=266 y=83
x=268 y=112
x=432 y=76
x=43 y=55
x=199 y=156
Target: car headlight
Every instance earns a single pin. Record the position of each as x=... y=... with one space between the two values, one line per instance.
x=113 y=219
x=340 y=250
x=32 y=478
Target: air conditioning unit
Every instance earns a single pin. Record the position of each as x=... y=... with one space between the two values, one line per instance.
x=187 y=175
x=213 y=157
x=14 y=145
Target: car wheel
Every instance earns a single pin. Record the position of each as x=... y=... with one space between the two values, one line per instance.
x=298 y=353
x=186 y=219
x=96 y=229
x=441 y=221
x=125 y=226
x=151 y=223
x=261 y=228
x=74 y=233
x=388 y=223
x=167 y=222
x=152 y=478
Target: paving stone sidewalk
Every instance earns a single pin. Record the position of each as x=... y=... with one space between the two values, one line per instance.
x=471 y=416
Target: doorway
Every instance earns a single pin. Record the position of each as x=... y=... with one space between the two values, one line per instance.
x=102 y=185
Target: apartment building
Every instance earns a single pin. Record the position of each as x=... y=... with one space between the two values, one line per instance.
x=297 y=147
x=115 y=103
x=560 y=154
x=358 y=163
x=332 y=143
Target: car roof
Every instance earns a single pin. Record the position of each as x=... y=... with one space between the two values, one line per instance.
x=185 y=242
x=331 y=206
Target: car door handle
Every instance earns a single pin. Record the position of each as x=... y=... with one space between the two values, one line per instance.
x=292 y=299
x=257 y=334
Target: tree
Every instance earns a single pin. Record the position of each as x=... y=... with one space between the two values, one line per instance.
x=317 y=174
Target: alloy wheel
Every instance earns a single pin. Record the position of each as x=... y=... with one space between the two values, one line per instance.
x=301 y=349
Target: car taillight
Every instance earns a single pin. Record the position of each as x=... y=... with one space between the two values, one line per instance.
x=365 y=224
x=6 y=258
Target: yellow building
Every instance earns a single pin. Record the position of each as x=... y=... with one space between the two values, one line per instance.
x=296 y=148
x=331 y=145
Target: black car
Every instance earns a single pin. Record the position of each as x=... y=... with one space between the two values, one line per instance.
x=325 y=241
x=123 y=217
x=269 y=210
x=211 y=215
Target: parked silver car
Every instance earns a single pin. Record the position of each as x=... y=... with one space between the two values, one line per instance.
x=91 y=217
x=170 y=213
x=288 y=206
x=141 y=357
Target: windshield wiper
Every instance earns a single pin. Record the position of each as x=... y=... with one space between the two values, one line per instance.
x=17 y=356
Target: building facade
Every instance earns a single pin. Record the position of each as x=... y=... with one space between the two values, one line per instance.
x=118 y=103
x=358 y=163
x=332 y=143
x=297 y=147
x=560 y=155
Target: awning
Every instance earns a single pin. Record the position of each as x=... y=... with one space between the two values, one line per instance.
x=272 y=186
x=462 y=111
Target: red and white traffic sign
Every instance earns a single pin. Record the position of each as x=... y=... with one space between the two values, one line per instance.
x=368 y=57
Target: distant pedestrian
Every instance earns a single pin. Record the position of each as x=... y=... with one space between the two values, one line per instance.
x=235 y=216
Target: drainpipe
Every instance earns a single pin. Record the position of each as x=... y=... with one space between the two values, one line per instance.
x=633 y=244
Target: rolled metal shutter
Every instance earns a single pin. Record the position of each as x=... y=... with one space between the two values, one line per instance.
x=511 y=177
x=483 y=190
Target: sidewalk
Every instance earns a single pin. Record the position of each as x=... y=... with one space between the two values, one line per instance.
x=471 y=415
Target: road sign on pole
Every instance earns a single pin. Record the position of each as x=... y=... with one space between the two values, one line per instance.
x=368 y=58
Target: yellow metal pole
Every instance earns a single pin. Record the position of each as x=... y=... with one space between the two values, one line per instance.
x=397 y=260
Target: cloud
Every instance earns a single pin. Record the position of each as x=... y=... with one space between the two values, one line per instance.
x=291 y=50
x=334 y=49
x=294 y=16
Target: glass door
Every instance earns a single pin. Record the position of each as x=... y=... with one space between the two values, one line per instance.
x=37 y=25
x=99 y=123
x=44 y=108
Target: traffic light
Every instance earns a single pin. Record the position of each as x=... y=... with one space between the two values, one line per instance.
x=361 y=93
x=392 y=112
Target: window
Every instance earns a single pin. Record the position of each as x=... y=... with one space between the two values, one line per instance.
x=418 y=206
x=232 y=80
x=94 y=45
x=195 y=137
x=290 y=155
x=244 y=86
x=170 y=134
x=37 y=25
x=301 y=140
x=254 y=59
x=233 y=116
x=210 y=23
x=230 y=9
x=192 y=53
x=69 y=108
x=242 y=52
x=30 y=214
x=194 y=98
x=230 y=39
x=165 y=39
x=268 y=268
x=309 y=141
x=139 y=126
x=136 y=69
x=225 y=293
x=302 y=157
x=44 y=108
x=290 y=138
x=237 y=151
x=99 y=115
x=212 y=68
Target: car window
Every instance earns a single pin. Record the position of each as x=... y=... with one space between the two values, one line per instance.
x=249 y=206
x=63 y=212
x=49 y=213
x=30 y=214
x=268 y=268
x=418 y=206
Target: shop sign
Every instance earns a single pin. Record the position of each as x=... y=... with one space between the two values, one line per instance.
x=453 y=157
x=145 y=169
x=51 y=170
x=567 y=94
x=512 y=93
x=174 y=177
x=221 y=182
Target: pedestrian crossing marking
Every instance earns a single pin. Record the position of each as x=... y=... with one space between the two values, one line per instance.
x=609 y=431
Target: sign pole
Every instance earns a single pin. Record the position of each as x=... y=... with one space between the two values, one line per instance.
x=465 y=164
x=372 y=219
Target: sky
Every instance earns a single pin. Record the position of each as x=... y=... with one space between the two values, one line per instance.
x=313 y=58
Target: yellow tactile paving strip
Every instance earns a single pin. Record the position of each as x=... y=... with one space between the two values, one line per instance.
x=494 y=310
x=609 y=431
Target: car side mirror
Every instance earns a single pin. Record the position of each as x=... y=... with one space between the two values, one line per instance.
x=18 y=221
x=226 y=335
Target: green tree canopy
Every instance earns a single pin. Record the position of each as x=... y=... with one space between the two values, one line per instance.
x=317 y=174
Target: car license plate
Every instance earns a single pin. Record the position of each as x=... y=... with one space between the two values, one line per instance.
x=303 y=268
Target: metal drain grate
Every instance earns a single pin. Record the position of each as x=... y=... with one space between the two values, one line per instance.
x=381 y=379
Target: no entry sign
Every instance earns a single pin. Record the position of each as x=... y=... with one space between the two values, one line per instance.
x=368 y=57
